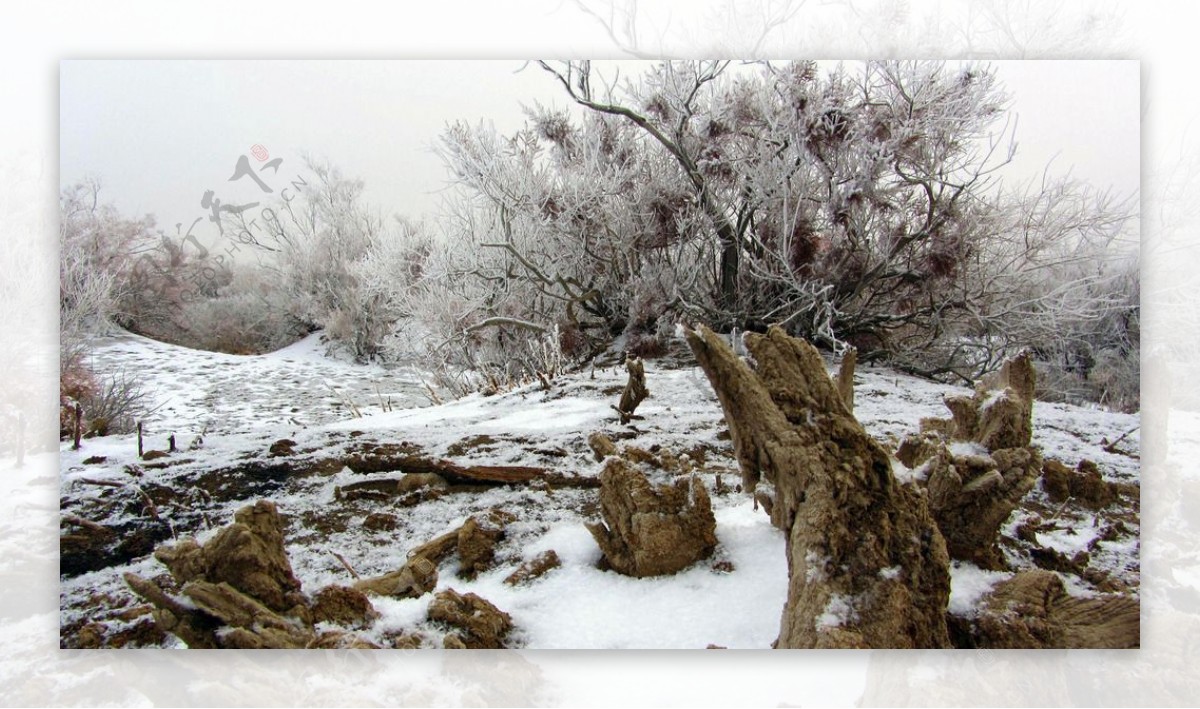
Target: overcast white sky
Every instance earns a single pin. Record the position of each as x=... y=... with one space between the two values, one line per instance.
x=160 y=133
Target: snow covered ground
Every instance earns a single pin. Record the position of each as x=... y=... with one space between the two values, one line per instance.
x=243 y=404
x=194 y=390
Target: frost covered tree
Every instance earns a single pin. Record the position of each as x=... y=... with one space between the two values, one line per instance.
x=859 y=205
x=98 y=251
x=574 y=226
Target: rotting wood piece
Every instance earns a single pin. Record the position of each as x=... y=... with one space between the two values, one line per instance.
x=868 y=566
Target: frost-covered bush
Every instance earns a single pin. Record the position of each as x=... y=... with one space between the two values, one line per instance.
x=109 y=404
x=337 y=264
x=247 y=316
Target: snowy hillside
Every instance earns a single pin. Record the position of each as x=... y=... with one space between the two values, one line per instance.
x=302 y=429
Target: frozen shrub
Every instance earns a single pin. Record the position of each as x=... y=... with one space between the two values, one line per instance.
x=110 y=404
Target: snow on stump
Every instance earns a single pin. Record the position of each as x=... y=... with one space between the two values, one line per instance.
x=979 y=464
x=650 y=530
x=1033 y=610
x=483 y=626
x=1083 y=484
x=867 y=565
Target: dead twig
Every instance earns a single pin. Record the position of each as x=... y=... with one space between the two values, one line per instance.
x=87 y=524
x=1112 y=447
x=346 y=564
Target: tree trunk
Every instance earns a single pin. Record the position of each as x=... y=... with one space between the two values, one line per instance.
x=867 y=565
x=730 y=264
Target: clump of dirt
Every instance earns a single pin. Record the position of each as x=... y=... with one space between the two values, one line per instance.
x=650 y=530
x=482 y=442
x=86 y=546
x=255 y=478
x=381 y=457
x=380 y=522
x=1084 y=484
x=113 y=623
x=282 y=447
x=1055 y=560
x=343 y=605
x=481 y=624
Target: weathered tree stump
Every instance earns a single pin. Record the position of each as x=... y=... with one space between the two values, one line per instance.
x=867 y=564
x=635 y=389
x=239 y=586
x=972 y=492
x=482 y=625
x=652 y=530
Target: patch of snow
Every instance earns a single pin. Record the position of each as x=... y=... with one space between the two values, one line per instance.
x=814 y=565
x=968 y=586
x=967 y=449
x=838 y=612
x=906 y=475
x=1070 y=540
x=992 y=398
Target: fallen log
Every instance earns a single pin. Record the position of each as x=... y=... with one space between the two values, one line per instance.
x=455 y=474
